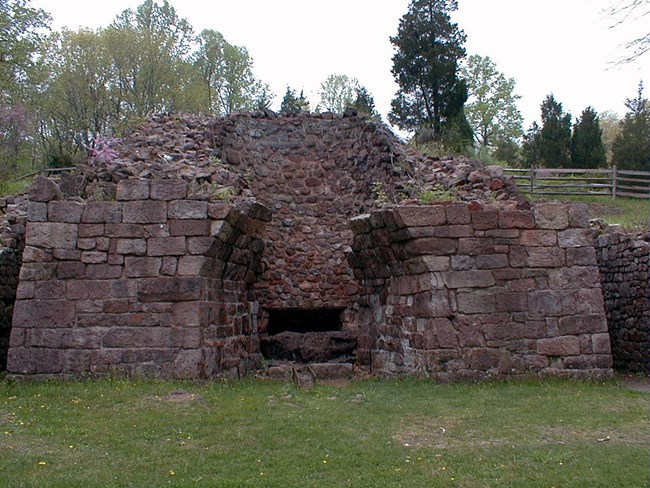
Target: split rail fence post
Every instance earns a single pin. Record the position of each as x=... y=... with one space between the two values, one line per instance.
x=614 y=181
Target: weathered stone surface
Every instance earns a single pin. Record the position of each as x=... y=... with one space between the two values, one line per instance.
x=133 y=190
x=102 y=212
x=551 y=216
x=420 y=216
x=43 y=190
x=144 y=212
x=65 y=211
x=50 y=235
x=172 y=189
x=188 y=209
x=170 y=289
x=559 y=346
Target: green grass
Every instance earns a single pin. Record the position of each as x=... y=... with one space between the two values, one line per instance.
x=372 y=433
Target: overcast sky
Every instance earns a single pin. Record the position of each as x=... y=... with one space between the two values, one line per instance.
x=566 y=47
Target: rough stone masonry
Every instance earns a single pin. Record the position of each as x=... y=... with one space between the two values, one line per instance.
x=206 y=227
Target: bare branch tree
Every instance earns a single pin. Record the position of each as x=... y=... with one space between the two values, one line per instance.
x=627 y=11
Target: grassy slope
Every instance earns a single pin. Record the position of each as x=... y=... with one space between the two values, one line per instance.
x=369 y=434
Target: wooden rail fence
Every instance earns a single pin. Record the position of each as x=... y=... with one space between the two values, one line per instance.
x=609 y=182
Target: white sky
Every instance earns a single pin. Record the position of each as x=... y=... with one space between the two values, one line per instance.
x=564 y=47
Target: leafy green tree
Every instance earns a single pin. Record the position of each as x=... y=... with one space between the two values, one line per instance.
x=226 y=73
x=492 y=109
x=364 y=102
x=149 y=47
x=293 y=104
x=555 y=134
x=22 y=32
x=338 y=92
x=425 y=66
x=76 y=105
x=632 y=145
x=610 y=128
x=587 y=149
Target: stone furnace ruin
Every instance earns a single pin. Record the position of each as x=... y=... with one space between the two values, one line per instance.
x=210 y=246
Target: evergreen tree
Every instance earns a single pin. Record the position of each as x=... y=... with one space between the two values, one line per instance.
x=364 y=102
x=632 y=145
x=293 y=104
x=555 y=135
x=530 y=146
x=425 y=66
x=587 y=148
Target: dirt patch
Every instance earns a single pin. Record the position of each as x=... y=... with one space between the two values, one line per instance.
x=180 y=396
x=635 y=382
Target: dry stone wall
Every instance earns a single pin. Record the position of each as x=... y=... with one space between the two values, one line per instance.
x=466 y=291
x=152 y=283
x=624 y=261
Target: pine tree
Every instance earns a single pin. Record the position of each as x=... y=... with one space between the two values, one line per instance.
x=364 y=102
x=587 y=149
x=293 y=104
x=555 y=135
x=425 y=66
x=631 y=149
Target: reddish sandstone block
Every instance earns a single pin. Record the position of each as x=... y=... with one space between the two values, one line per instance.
x=188 y=209
x=468 y=279
x=458 y=213
x=492 y=261
x=559 y=346
x=204 y=246
x=102 y=212
x=581 y=256
x=170 y=289
x=582 y=324
x=166 y=246
x=191 y=314
x=431 y=245
x=49 y=290
x=49 y=235
x=65 y=211
x=546 y=257
x=551 y=216
x=171 y=189
x=485 y=219
x=189 y=227
x=88 y=289
x=545 y=303
x=188 y=364
x=70 y=269
x=420 y=216
x=538 y=238
x=127 y=231
x=135 y=247
x=516 y=219
x=43 y=313
x=476 y=302
x=574 y=278
x=137 y=267
x=93 y=257
x=103 y=272
x=145 y=212
x=191 y=265
x=454 y=231
x=600 y=343
x=37 y=271
x=82 y=338
x=475 y=246
x=132 y=190
x=575 y=238
x=91 y=230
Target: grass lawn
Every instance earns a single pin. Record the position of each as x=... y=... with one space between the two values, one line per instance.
x=370 y=433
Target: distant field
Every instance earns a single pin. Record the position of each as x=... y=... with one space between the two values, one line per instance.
x=371 y=433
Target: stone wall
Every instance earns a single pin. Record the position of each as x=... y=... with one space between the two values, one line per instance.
x=153 y=283
x=9 y=268
x=314 y=173
x=465 y=291
x=623 y=260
